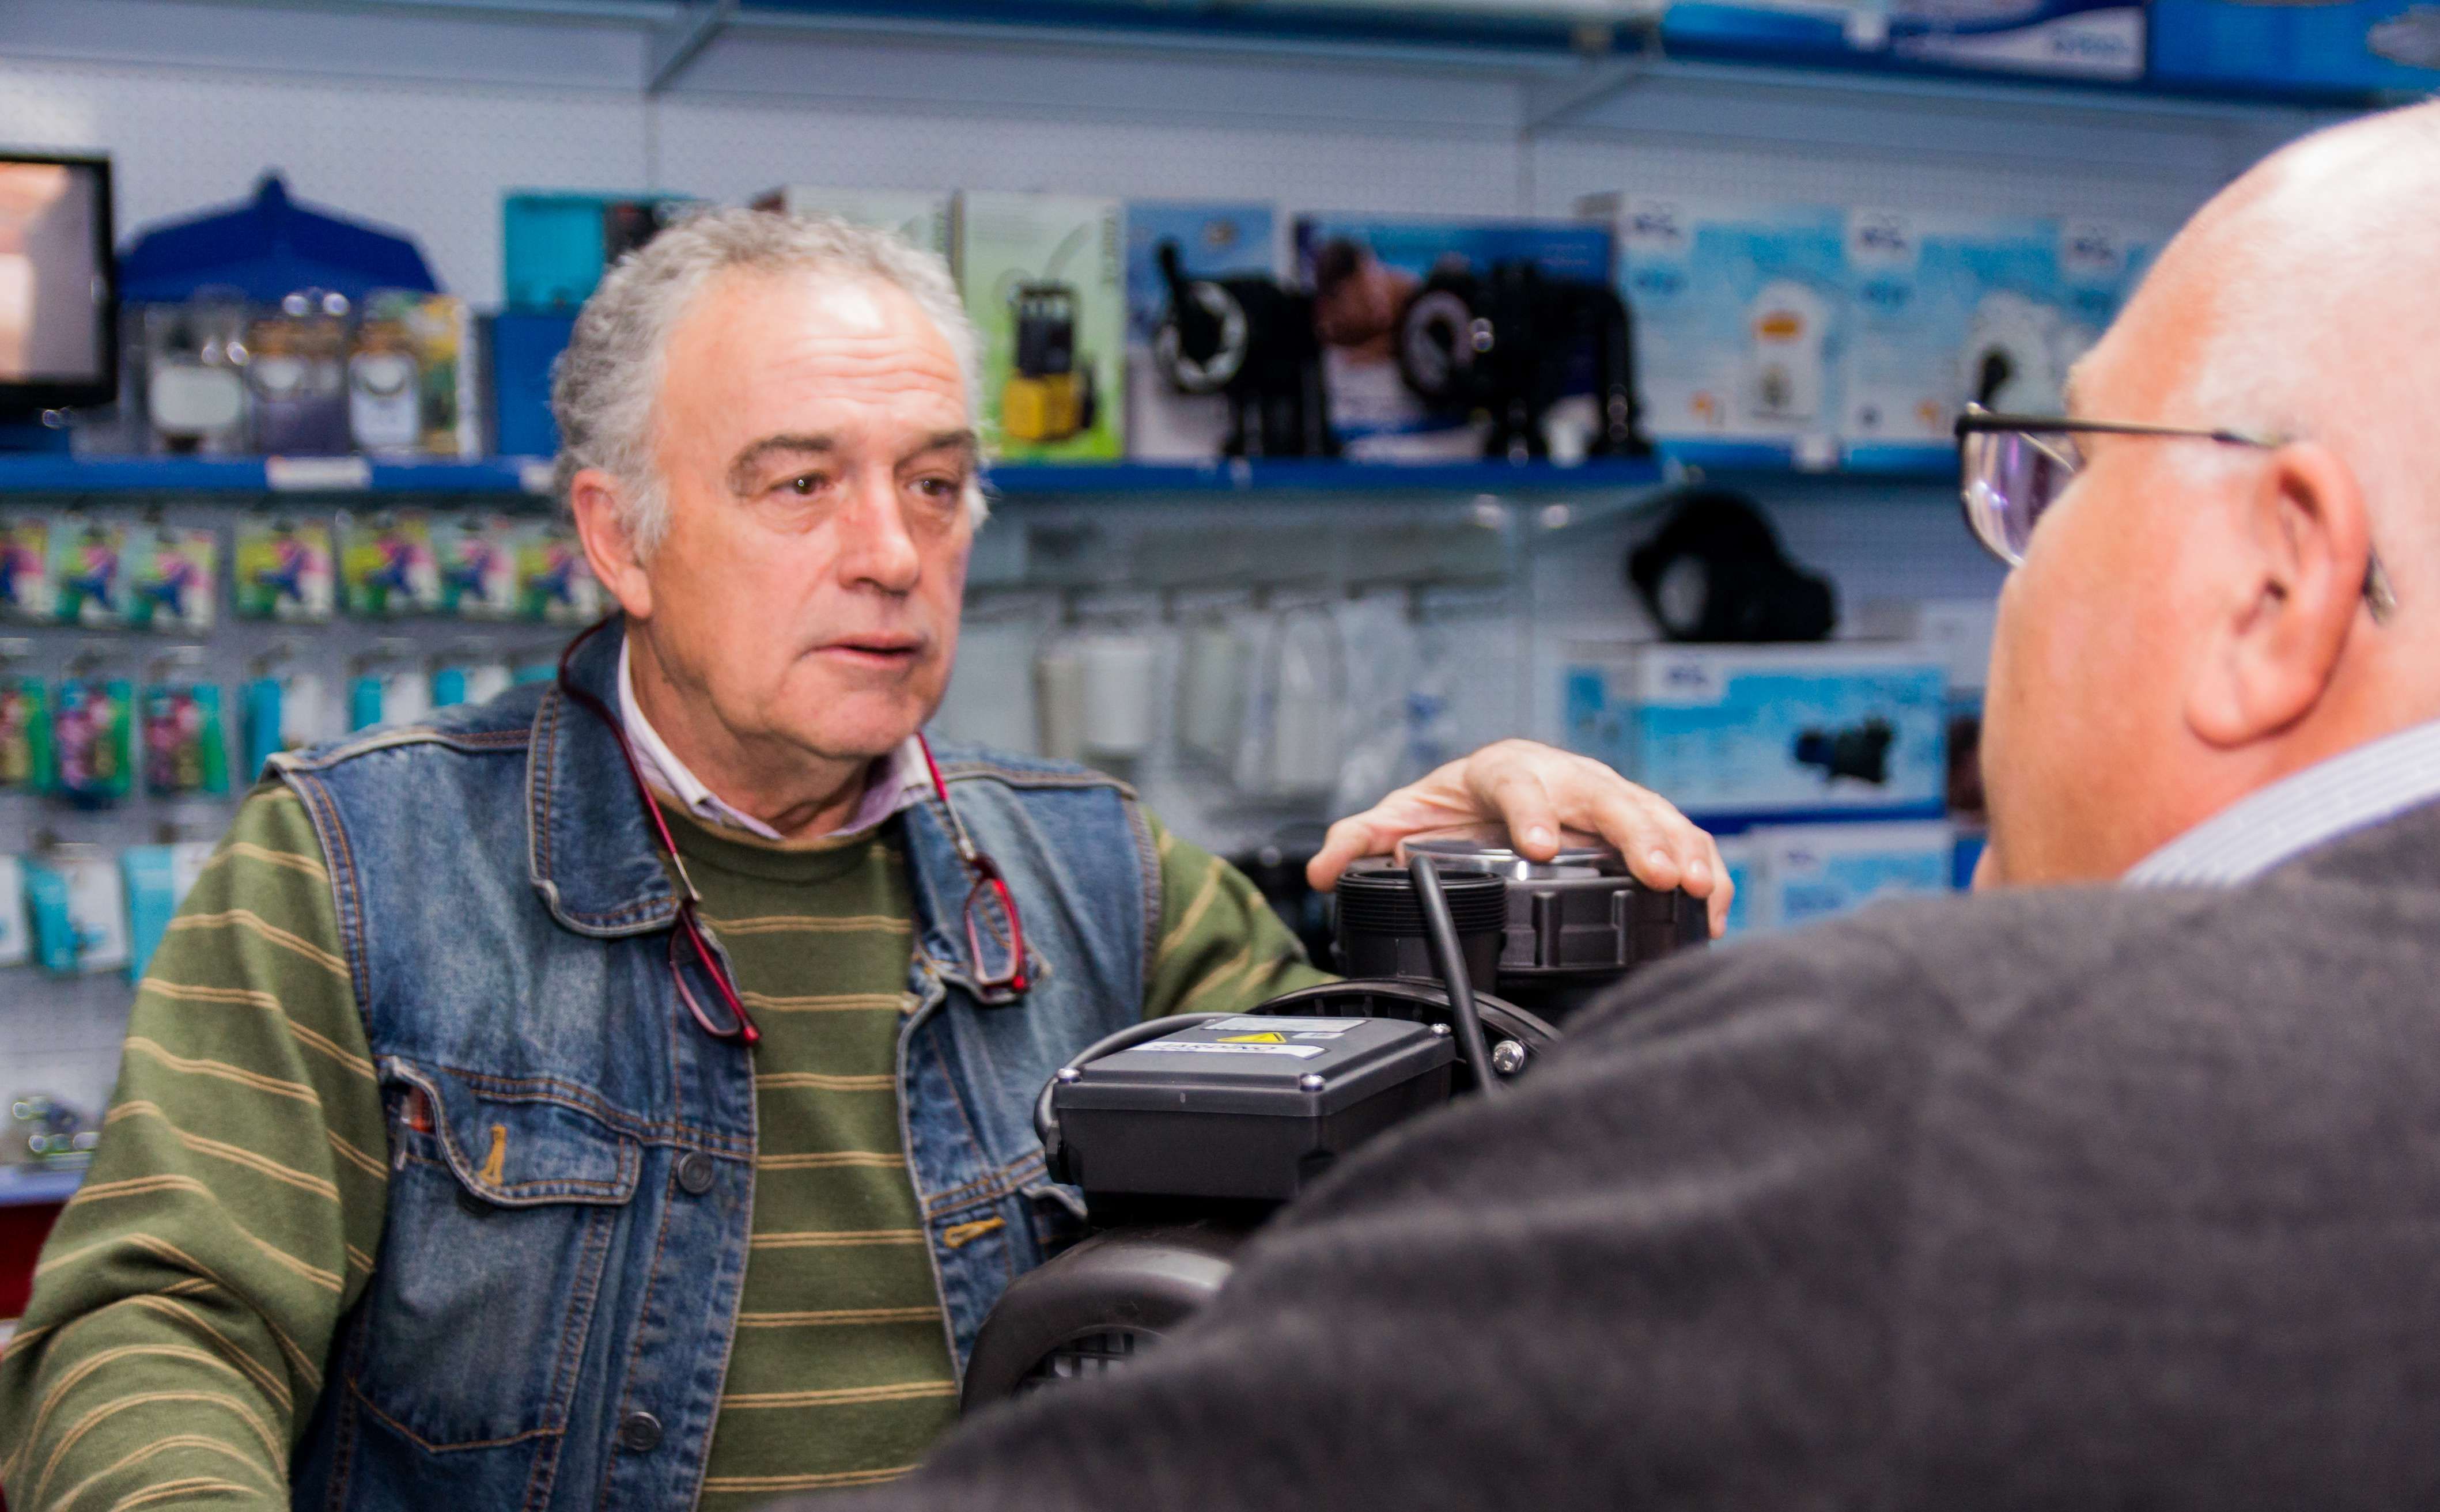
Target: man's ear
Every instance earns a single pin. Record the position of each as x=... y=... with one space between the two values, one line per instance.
x=2303 y=540
x=594 y=497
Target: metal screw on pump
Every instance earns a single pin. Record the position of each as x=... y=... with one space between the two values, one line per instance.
x=1508 y=1058
x=1070 y=1073
x=1310 y=1081
x=1440 y=1029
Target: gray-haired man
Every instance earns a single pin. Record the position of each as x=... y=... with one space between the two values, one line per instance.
x=616 y=1095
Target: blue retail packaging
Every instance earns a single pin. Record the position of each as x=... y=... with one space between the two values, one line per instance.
x=1752 y=732
x=1821 y=871
x=2342 y=51
x=1739 y=311
x=1364 y=271
x=157 y=878
x=523 y=347
x=2080 y=39
x=1948 y=309
x=555 y=246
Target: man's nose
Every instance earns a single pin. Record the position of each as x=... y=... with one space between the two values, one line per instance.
x=875 y=545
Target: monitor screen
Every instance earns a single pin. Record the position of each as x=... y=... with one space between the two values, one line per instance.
x=58 y=313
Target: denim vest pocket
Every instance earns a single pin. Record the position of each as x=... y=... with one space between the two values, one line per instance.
x=505 y=1196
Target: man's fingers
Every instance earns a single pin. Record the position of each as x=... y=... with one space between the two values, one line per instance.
x=1523 y=801
x=1350 y=840
x=1723 y=892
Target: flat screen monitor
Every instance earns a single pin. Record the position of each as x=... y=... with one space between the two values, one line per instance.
x=59 y=304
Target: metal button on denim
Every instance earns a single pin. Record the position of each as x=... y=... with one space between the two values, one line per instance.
x=695 y=1172
x=472 y=1205
x=639 y=1432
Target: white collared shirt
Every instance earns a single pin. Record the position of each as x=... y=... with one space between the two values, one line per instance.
x=894 y=782
x=2354 y=790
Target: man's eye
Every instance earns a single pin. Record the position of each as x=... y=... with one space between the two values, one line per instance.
x=805 y=485
x=940 y=488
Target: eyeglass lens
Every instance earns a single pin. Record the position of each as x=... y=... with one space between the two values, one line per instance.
x=2010 y=478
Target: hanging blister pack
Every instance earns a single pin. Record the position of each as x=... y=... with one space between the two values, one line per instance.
x=89 y=573
x=157 y=878
x=172 y=584
x=25 y=735
x=93 y=740
x=76 y=901
x=186 y=747
x=555 y=584
x=287 y=710
x=386 y=566
x=284 y=570
x=476 y=558
x=26 y=595
x=473 y=679
x=389 y=688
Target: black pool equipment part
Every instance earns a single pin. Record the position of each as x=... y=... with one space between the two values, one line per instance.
x=1507 y=342
x=1861 y=751
x=1714 y=571
x=1185 y=1133
x=1252 y=341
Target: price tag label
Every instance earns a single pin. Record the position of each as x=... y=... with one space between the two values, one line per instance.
x=317 y=475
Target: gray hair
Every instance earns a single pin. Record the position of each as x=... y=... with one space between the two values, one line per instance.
x=605 y=385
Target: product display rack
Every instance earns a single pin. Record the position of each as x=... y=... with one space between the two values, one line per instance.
x=512 y=478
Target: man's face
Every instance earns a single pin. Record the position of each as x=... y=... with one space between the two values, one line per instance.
x=814 y=442
x=2083 y=736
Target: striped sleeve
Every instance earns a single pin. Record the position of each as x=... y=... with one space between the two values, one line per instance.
x=1222 y=949
x=185 y=1303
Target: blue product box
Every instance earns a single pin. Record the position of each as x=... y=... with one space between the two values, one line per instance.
x=2342 y=51
x=1364 y=271
x=2075 y=39
x=523 y=346
x=555 y=246
x=1738 y=317
x=1765 y=731
x=1821 y=871
x=1948 y=308
x=1213 y=241
x=1749 y=907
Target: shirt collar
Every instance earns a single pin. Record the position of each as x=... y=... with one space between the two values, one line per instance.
x=894 y=782
x=2375 y=781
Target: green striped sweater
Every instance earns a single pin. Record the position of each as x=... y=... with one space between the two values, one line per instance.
x=187 y=1299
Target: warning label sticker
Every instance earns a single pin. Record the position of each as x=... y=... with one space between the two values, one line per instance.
x=1192 y=1047
x=1267 y=1037
x=1286 y=1027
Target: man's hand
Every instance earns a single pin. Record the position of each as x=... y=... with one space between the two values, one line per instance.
x=1536 y=792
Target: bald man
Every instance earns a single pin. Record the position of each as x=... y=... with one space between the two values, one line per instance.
x=2115 y=1187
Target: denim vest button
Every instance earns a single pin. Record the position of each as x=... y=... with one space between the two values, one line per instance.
x=472 y=1205
x=695 y=1172
x=639 y=1432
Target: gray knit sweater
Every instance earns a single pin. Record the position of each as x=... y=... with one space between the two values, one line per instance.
x=2075 y=1199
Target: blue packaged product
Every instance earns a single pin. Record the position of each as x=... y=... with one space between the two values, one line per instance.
x=1823 y=871
x=1771 y=732
x=2334 y=51
x=1364 y=271
x=1739 y=314
x=1213 y=241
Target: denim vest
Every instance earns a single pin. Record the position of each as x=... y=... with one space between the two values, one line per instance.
x=549 y=1318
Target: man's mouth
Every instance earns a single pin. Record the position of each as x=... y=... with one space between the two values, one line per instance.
x=876 y=650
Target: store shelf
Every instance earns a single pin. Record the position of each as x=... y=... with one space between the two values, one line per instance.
x=525 y=477
x=32 y=1186
x=1018 y=481
x=49 y=473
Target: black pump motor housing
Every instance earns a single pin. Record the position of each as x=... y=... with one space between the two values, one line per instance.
x=1186 y=1133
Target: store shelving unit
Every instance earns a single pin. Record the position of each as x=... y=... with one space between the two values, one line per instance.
x=525 y=480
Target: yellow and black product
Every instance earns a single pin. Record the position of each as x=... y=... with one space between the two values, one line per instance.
x=1049 y=394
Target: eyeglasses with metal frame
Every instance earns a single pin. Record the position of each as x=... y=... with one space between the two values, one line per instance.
x=2013 y=468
